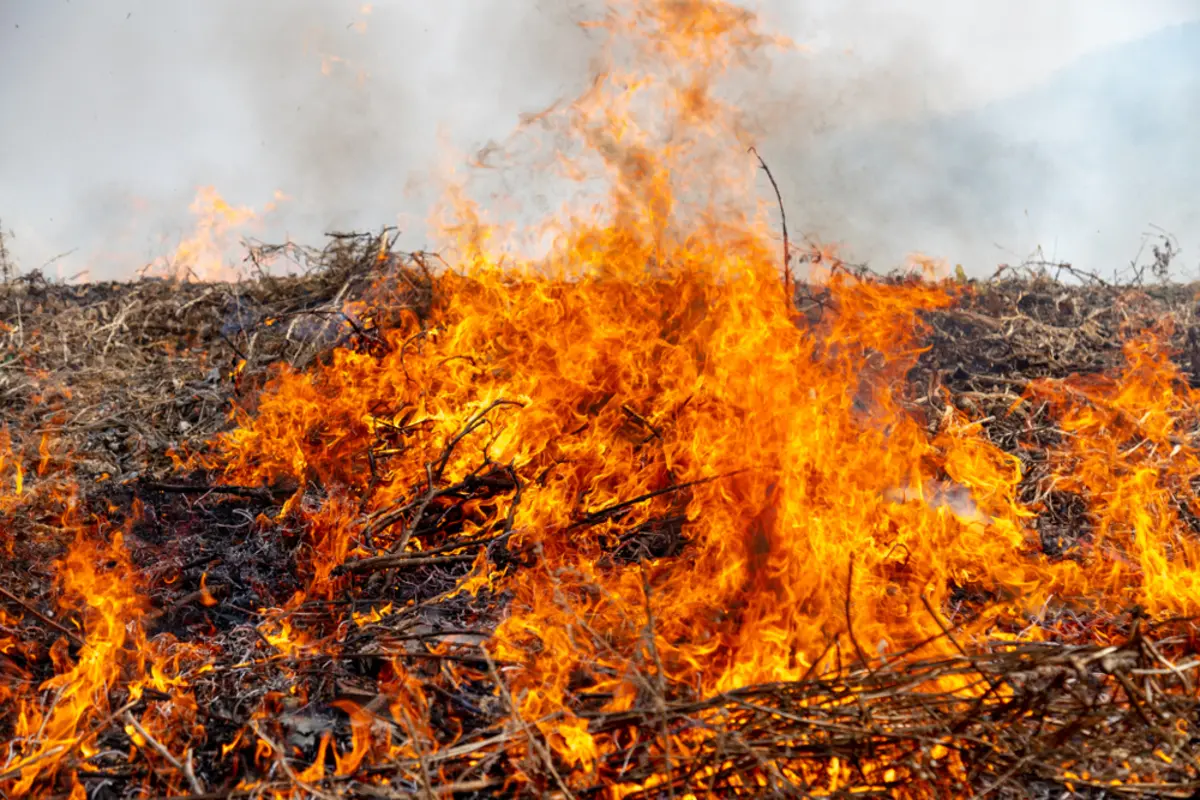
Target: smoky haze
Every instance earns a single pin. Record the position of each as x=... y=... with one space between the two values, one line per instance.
x=895 y=128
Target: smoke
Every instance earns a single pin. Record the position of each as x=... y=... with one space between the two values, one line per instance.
x=348 y=106
x=983 y=132
x=122 y=116
x=887 y=127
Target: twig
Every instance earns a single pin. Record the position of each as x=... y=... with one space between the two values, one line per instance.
x=595 y=517
x=787 y=249
x=186 y=771
x=281 y=760
x=1003 y=778
x=400 y=560
x=534 y=742
x=422 y=759
x=200 y=488
x=65 y=631
x=660 y=697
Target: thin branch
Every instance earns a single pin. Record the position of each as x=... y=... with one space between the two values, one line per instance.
x=186 y=771
x=58 y=626
x=787 y=248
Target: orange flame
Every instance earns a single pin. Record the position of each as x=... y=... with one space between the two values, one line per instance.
x=704 y=488
x=203 y=255
x=103 y=654
x=646 y=380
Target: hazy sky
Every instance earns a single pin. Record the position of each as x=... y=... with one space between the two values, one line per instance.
x=115 y=112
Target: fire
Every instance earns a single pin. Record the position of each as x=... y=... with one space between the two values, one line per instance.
x=102 y=651
x=81 y=690
x=203 y=255
x=706 y=485
x=677 y=485
x=1143 y=549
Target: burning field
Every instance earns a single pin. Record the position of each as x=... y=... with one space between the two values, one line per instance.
x=644 y=517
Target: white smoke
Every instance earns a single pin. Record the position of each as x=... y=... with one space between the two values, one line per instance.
x=117 y=113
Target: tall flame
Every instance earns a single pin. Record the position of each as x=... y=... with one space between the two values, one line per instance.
x=692 y=458
x=702 y=488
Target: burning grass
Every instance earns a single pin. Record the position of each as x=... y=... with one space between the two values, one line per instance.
x=627 y=520
x=388 y=575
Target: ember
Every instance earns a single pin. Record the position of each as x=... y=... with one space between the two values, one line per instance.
x=639 y=518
